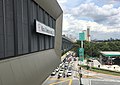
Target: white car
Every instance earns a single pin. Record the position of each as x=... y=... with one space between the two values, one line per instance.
x=60 y=74
x=53 y=73
x=63 y=66
x=69 y=73
x=60 y=64
x=57 y=69
x=61 y=71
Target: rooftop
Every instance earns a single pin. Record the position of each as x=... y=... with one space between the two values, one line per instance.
x=110 y=53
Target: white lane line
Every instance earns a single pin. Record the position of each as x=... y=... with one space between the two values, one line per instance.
x=105 y=80
x=90 y=82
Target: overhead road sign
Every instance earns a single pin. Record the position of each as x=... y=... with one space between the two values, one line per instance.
x=81 y=54
x=82 y=36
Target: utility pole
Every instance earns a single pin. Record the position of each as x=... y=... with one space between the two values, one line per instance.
x=81 y=43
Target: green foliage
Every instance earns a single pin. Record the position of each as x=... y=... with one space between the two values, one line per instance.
x=105 y=71
x=99 y=70
x=92 y=49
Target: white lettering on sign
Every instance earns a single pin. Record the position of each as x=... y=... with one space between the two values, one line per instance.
x=41 y=28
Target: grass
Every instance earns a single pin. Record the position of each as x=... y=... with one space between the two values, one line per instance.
x=101 y=70
x=106 y=72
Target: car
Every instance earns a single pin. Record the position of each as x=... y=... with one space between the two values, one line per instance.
x=57 y=69
x=69 y=73
x=66 y=67
x=74 y=59
x=61 y=70
x=61 y=65
x=53 y=73
x=60 y=74
x=66 y=62
x=69 y=67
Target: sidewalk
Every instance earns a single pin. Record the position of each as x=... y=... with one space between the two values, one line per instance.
x=94 y=76
x=95 y=63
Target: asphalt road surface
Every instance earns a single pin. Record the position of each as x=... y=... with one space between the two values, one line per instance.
x=99 y=82
x=104 y=83
x=96 y=79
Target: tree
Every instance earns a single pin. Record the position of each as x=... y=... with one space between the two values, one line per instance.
x=93 y=48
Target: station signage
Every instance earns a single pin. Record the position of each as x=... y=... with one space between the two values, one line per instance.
x=42 y=28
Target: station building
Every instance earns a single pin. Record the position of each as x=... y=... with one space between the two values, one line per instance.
x=110 y=57
x=30 y=40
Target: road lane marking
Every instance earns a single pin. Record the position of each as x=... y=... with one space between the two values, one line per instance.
x=58 y=82
x=59 y=79
x=65 y=80
x=90 y=81
x=70 y=81
x=56 y=79
x=110 y=80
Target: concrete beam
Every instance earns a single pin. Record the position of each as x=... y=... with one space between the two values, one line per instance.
x=51 y=6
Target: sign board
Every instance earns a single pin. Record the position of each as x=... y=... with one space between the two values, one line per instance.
x=41 y=28
x=81 y=53
x=82 y=36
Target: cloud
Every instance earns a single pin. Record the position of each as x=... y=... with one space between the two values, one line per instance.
x=98 y=14
x=103 y=20
x=73 y=26
x=105 y=36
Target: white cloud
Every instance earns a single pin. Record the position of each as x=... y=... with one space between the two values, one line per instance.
x=105 y=19
x=73 y=26
x=62 y=1
x=98 y=14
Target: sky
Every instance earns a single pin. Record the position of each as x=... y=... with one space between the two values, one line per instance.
x=103 y=17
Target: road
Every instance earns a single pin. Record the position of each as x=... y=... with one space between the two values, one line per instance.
x=89 y=78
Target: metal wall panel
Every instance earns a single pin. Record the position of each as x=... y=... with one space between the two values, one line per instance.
x=50 y=21
x=47 y=46
x=30 y=25
x=9 y=32
x=17 y=28
x=40 y=14
x=51 y=42
x=25 y=27
x=33 y=36
x=54 y=24
x=1 y=8
x=1 y=31
x=41 y=36
x=35 y=11
x=46 y=18
x=1 y=46
x=43 y=42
